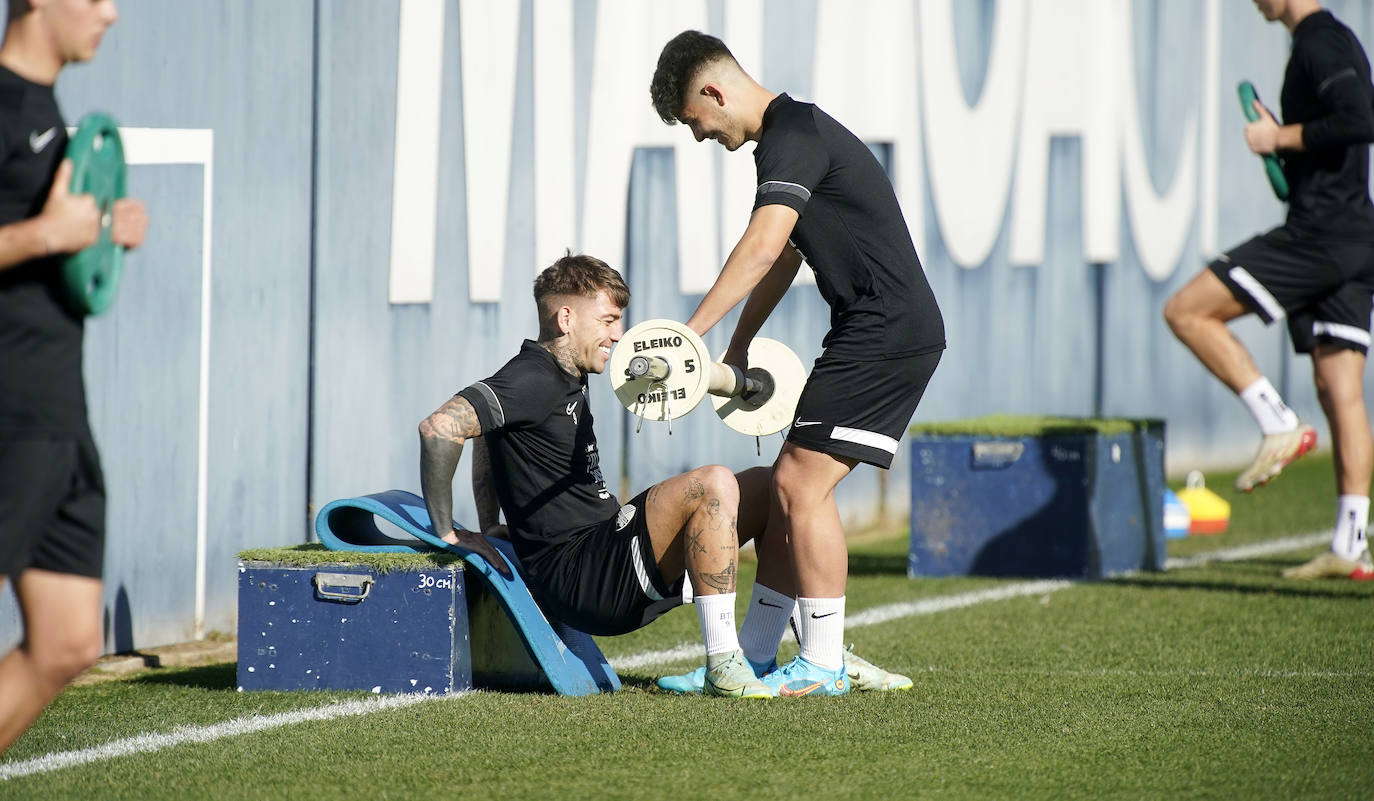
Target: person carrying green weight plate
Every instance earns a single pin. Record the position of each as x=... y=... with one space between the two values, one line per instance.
x=1316 y=271
x=52 y=492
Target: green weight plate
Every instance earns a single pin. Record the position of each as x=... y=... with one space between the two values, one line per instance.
x=1272 y=167
x=91 y=276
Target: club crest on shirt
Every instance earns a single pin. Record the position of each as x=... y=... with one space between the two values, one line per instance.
x=626 y=514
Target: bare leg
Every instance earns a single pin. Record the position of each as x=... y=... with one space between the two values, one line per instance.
x=761 y=520
x=1339 y=374
x=62 y=638
x=804 y=482
x=693 y=528
x=1198 y=314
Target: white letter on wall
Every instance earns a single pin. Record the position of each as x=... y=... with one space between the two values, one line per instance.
x=969 y=151
x=629 y=36
x=555 y=212
x=865 y=77
x=490 y=46
x=414 y=198
x=1068 y=92
x=1159 y=225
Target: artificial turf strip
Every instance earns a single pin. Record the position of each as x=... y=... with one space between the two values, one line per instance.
x=1114 y=689
x=1022 y=425
x=1221 y=681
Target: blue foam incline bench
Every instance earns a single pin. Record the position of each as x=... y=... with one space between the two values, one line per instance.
x=569 y=658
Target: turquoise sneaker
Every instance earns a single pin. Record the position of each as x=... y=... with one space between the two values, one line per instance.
x=686 y=683
x=731 y=676
x=799 y=677
x=693 y=681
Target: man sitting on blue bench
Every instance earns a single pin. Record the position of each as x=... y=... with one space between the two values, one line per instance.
x=600 y=566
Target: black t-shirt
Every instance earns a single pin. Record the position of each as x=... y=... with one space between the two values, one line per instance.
x=851 y=231
x=1326 y=89
x=41 y=390
x=544 y=461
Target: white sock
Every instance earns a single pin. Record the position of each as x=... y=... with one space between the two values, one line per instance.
x=822 y=631
x=1352 y=516
x=717 y=614
x=765 y=623
x=1268 y=408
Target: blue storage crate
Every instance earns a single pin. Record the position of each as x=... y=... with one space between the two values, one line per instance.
x=1065 y=503
x=349 y=627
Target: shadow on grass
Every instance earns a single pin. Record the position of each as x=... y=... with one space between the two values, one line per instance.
x=1334 y=591
x=223 y=676
x=864 y=564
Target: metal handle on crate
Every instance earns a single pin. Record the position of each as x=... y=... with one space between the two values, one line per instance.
x=997 y=454
x=331 y=586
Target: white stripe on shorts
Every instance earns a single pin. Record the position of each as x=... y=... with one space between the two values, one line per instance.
x=1256 y=290
x=869 y=439
x=1340 y=331
x=642 y=573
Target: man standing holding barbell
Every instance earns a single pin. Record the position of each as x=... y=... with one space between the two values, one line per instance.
x=52 y=495
x=599 y=566
x=823 y=197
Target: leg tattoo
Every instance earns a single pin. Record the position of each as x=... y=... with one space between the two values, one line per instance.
x=724 y=580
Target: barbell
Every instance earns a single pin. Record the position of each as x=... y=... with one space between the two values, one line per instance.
x=661 y=370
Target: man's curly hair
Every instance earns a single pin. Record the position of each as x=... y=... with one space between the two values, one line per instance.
x=681 y=59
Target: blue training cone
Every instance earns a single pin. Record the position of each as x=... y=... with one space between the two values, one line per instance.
x=1177 y=519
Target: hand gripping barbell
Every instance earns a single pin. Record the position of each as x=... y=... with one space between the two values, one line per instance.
x=661 y=370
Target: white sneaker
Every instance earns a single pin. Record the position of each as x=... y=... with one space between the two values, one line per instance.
x=1329 y=565
x=731 y=676
x=1276 y=452
x=864 y=676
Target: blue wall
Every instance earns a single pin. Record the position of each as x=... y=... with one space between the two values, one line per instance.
x=316 y=381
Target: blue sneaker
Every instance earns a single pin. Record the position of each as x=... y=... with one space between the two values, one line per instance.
x=799 y=677
x=687 y=683
x=694 y=681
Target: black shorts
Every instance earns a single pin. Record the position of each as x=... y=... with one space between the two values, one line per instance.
x=858 y=409
x=1323 y=287
x=52 y=506
x=604 y=580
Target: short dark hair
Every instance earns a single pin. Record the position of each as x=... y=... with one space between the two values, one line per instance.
x=682 y=58
x=18 y=8
x=581 y=276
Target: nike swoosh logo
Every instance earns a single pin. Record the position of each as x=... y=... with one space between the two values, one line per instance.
x=765 y=603
x=799 y=423
x=807 y=690
x=815 y=616
x=40 y=141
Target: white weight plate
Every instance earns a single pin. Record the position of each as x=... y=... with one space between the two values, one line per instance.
x=789 y=376
x=685 y=385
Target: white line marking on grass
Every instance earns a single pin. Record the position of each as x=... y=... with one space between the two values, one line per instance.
x=1242 y=552
x=145 y=743
x=945 y=603
x=868 y=617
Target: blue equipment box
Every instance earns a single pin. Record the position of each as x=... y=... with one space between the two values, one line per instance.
x=1077 y=504
x=351 y=627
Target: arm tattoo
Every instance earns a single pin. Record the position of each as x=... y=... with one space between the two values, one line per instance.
x=724 y=580
x=483 y=492
x=442 y=435
x=694 y=490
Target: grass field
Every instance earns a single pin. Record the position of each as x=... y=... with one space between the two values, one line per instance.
x=1218 y=680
